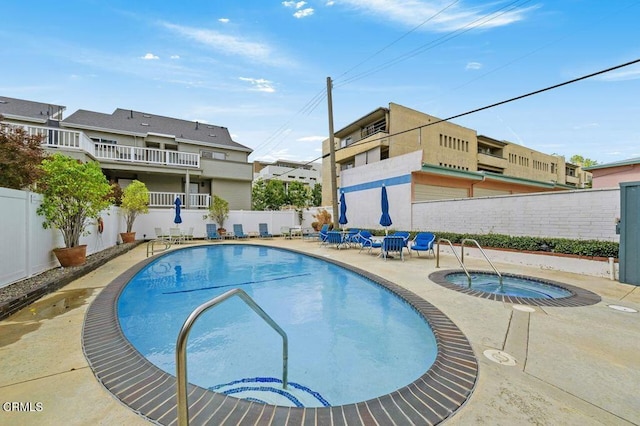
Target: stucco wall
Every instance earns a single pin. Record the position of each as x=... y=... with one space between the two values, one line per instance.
x=581 y=214
x=363 y=189
x=611 y=177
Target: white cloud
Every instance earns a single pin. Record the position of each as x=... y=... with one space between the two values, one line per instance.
x=412 y=13
x=224 y=20
x=473 y=66
x=229 y=44
x=175 y=57
x=294 y=4
x=150 y=57
x=330 y=3
x=260 y=84
x=621 y=75
x=303 y=13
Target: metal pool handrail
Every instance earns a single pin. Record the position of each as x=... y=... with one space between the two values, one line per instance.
x=462 y=243
x=181 y=346
x=461 y=262
x=151 y=243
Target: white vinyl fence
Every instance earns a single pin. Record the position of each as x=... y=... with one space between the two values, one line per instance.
x=26 y=249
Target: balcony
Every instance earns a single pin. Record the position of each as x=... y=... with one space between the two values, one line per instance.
x=74 y=140
x=491 y=160
x=65 y=139
x=167 y=199
x=132 y=154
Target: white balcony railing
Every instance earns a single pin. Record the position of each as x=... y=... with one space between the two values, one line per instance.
x=60 y=138
x=132 y=154
x=167 y=199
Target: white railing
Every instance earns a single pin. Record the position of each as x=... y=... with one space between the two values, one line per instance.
x=167 y=199
x=59 y=138
x=132 y=154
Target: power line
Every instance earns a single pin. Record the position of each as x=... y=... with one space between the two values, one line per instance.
x=437 y=42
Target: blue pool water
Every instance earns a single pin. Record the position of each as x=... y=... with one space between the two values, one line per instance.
x=511 y=285
x=349 y=339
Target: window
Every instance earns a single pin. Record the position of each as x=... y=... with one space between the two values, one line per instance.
x=102 y=140
x=213 y=155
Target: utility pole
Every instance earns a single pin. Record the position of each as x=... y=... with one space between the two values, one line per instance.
x=332 y=157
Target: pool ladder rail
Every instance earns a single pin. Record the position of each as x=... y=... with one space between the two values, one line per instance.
x=181 y=347
x=151 y=245
x=461 y=260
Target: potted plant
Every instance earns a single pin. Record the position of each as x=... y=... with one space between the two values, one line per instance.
x=74 y=194
x=135 y=200
x=219 y=212
x=322 y=217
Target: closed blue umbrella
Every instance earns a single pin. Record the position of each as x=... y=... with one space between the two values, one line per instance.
x=385 y=219
x=177 y=219
x=343 y=210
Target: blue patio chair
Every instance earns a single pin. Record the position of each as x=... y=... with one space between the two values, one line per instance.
x=404 y=235
x=352 y=236
x=423 y=241
x=367 y=242
x=393 y=244
x=212 y=232
x=335 y=238
x=322 y=235
x=238 y=232
x=264 y=231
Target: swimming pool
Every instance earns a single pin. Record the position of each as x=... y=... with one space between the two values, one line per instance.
x=518 y=289
x=510 y=286
x=349 y=339
x=436 y=395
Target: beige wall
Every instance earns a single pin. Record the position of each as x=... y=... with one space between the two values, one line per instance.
x=444 y=143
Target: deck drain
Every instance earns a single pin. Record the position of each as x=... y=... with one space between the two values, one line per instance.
x=500 y=357
x=622 y=308
x=523 y=308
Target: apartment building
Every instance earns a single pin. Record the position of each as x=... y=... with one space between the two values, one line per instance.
x=309 y=174
x=456 y=161
x=173 y=157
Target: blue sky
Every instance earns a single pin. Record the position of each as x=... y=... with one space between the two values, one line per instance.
x=259 y=67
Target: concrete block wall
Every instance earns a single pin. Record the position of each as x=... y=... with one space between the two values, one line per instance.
x=580 y=214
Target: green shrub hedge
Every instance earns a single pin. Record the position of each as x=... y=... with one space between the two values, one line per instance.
x=589 y=248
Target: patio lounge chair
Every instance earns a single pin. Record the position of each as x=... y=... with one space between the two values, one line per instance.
x=175 y=235
x=335 y=238
x=161 y=235
x=352 y=236
x=423 y=241
x=404 y=235
x=367 y=242
x=188 y=236
x=264 y=231
x=212 y=232
x=238 y=232
x=322 y=235
x=393 y=244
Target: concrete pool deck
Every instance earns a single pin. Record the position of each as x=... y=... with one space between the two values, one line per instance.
x=574 y=365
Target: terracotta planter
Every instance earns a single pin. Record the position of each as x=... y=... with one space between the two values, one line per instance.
x=71 y=256
x=128 y=237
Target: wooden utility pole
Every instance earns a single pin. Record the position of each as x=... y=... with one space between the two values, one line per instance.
x=332 y=157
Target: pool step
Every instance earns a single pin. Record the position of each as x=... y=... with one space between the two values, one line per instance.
x=268 y=390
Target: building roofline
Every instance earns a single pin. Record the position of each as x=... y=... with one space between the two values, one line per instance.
x=621 y=163
x=364 y=119
x=465 y=174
